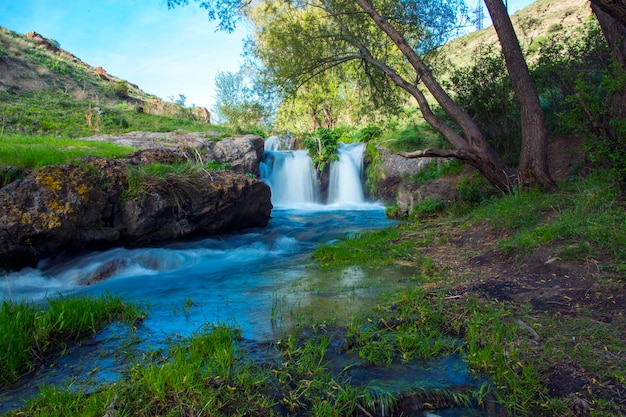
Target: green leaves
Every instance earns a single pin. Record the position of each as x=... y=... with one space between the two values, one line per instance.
x=236 y=101
x=322 y=147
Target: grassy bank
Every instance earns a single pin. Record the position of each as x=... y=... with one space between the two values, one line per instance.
x=532 y=283
x=32 y=152
x=30 y=334
x=528 y=289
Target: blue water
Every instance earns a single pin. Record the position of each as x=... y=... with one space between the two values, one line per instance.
x=262 y=281
x=238 y=279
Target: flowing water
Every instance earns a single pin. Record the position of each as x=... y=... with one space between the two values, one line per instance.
x=258 y=280
x=345 y=176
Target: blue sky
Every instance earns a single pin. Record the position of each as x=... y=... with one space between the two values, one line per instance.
x=165 y=52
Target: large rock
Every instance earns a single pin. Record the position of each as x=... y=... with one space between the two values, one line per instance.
x=395 y=170
x=242 y=153
x=79 y=206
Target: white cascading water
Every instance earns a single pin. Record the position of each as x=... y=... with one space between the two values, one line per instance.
x=279 y=143
x=290 y=175
x=345 y=186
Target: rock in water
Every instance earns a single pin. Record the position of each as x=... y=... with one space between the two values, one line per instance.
x=80 y=206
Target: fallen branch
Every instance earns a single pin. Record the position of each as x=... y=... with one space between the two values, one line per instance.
x=530 y=329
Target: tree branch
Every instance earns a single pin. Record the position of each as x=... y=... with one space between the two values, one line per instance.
x=438 y=153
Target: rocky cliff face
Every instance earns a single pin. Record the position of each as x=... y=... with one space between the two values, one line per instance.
x=80 y=206
x=395 y=171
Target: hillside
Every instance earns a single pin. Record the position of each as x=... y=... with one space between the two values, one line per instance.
x=533 y=25
x=32 y=63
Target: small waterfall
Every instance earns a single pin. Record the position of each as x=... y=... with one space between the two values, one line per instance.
x=345 y=186
x=291 y=176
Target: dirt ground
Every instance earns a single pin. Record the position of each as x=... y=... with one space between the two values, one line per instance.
x=551 y=286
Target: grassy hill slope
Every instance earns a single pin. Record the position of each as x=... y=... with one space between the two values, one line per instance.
x=533 y=24
x=46 y=90
x=33 y=63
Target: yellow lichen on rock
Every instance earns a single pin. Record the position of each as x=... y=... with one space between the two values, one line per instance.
x=83 y=191
x=52 y=179
x=57 y=207
x=25 y=219
x=50 y=220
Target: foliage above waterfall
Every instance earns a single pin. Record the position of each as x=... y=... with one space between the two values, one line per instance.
x=322 y=147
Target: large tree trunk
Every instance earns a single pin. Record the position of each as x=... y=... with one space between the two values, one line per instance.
x=473 y=147
x=611 y=15
x=533 y=165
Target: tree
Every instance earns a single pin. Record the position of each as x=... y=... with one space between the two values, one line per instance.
x=471 y=146
x=391 y=38
x=289 y=46
x=605 y=104
x=534 y=152
x=235 y=102
x=611 y=15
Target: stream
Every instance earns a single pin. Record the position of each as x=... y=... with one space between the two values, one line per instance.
x=258 y=280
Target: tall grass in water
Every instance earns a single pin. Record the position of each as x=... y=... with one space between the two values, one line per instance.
x=30 y=333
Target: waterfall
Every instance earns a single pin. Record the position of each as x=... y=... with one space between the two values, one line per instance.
x=345 y=186
x=291 y=176
x=279 y=143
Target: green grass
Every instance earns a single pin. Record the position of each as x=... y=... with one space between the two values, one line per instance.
x=586 y=218
x=413 y=330
x=209 y=374
x=434 y=171
x=409 y=137
x=29 y=333
x=47 y=113
x=177 y=182
x=33 y=152
x=368 y=249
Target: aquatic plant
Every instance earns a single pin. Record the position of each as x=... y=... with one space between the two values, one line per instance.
x=30 y=334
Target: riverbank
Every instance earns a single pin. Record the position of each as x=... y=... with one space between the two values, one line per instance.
x=528 y=289
x=534 y=284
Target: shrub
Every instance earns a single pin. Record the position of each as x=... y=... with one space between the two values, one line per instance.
x=120 y=88
x=428 y=207
x=474 y=189
x=322 y=147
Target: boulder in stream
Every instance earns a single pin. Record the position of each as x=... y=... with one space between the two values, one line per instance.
x=82 y=206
